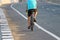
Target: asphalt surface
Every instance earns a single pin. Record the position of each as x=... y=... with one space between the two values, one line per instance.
x=48 y=17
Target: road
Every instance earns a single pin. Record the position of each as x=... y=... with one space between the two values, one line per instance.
x=48 y=17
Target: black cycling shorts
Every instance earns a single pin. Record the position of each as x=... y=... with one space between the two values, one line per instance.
x=30 y=11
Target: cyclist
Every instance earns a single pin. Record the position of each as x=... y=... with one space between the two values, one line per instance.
x=31 y=7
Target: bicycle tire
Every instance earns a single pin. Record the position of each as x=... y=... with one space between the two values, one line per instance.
x=32 y=22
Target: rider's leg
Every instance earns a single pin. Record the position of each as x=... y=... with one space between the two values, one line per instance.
x=28 y=21
x=29 y=14
x=35 y=15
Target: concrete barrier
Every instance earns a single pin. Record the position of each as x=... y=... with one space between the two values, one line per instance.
x=8 y=1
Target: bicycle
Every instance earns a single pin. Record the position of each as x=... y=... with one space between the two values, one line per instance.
x=31 y=20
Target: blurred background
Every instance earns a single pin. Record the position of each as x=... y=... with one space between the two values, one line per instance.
x=16 y=1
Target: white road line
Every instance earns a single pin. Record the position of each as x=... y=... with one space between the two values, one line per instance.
x=5 y=34
x=53 y=9
x=50 y=9
x=42 y=7
x=7 y=39
x=53 y=35
x=47 y=8
x=3 y=24
x=53 y=3
x=5 y=31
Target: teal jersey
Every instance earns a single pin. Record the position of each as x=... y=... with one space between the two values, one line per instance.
x=32 y=4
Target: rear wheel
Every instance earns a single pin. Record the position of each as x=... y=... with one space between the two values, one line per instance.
x=32 y=27
x=32 y=22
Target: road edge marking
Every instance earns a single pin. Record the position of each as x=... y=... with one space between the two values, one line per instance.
x=53 y=3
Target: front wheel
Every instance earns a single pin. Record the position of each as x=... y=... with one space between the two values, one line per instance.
x=32 y=27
